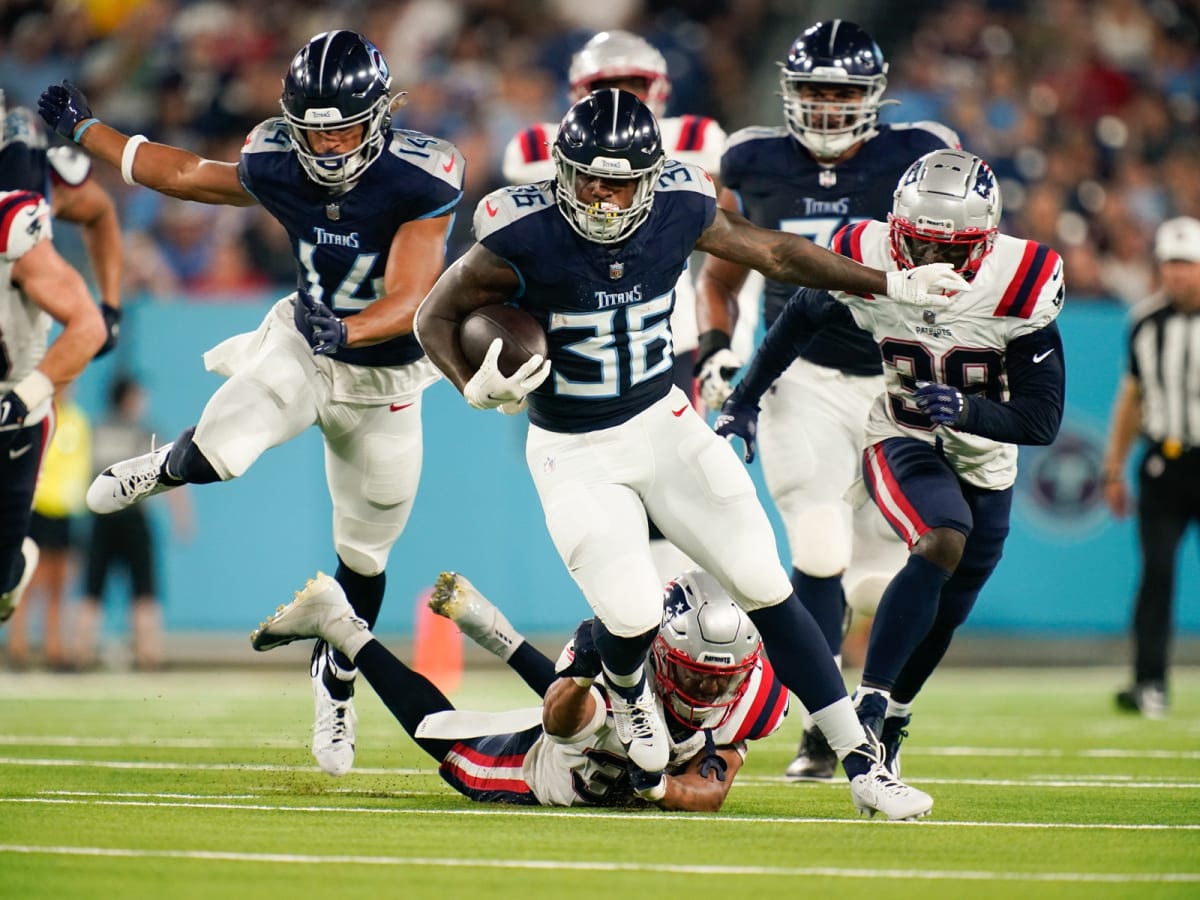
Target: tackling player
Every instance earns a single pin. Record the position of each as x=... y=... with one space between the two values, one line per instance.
x=367 y=207
x=709 y=679
x=832 y=164
x=966 y=382
x=37 y=287
x=594 y=256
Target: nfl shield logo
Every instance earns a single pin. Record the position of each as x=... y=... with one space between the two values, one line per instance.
x=930 y=317
x=616 y=271
x=333 y=211
x=827 y=178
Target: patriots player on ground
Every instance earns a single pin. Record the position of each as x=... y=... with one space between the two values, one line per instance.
x=831 y=165
x=619 y=59
x=966 y=382
x=37 y=287
x=594 y=256
x=367 y=208
x=708 y=677
x=63 y=176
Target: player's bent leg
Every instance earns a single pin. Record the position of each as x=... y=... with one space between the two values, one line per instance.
x=11 y=599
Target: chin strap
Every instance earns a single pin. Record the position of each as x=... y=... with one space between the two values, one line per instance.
x=713 y=761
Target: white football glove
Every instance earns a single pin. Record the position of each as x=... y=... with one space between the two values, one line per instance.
x=715 y=386
x=488 y=389
x=925 y=285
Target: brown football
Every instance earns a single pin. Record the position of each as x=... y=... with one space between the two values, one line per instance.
x=522 y=335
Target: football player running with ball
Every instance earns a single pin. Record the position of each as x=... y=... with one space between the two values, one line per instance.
x=367 y=207
x=966 y=382
x=831 y=165
x=594 y=256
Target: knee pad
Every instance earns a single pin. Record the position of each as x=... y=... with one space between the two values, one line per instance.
x=819 y=538
x=864 y=592
x=363 y=546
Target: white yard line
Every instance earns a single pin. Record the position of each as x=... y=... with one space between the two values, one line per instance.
x=609 y=866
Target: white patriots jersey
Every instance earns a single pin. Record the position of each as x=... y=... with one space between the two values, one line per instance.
x=1018 y=289
x=585 y=772
x=697 y=140
x=24 y=326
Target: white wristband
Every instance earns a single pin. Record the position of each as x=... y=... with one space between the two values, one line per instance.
x=131 y=149
x=33 y=389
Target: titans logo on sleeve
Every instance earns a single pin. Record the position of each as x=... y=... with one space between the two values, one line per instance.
x=341 y=243
x=606 y=309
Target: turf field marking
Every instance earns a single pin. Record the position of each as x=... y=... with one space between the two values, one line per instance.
x=623 y=815
x=594 y=866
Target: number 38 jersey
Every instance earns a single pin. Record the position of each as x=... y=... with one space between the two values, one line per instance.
x=1018 y=290
x=605 y=308
x=341 y=242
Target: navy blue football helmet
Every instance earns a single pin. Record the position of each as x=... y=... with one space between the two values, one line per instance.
x=338 y=79
x=834 y=53
x=608 y=134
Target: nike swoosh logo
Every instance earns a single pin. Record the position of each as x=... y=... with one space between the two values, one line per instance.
x=679 y=412
x=396 y=407
x=17 y=454
x=448 y=166
x=1038 y=357
x=491 y=210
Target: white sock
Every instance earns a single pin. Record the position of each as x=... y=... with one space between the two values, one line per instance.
x=898 y=710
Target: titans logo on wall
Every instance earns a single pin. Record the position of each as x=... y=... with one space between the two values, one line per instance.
x=1060 y=488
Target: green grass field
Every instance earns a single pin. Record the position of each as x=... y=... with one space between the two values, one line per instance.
x=199 y=784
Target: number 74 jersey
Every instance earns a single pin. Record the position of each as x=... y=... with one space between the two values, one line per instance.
x=1018 y=289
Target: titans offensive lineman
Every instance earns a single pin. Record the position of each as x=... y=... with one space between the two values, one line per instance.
x=37 y=286
x=965 y=383
x=594 y=256
x=619 y=59
x=831 y=165
x=708 y=677
x=367 y=208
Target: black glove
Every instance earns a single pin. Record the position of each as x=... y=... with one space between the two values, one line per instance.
x=112 y=321
x=738 y=419
x=12 y=418
x=64 y=106
x=580 y=658
x=327 y=331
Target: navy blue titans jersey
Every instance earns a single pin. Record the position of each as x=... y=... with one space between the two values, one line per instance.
x=780 y=186
x=341 y=242
x=606 y=309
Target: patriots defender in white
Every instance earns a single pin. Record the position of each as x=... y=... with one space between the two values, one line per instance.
x=619 y=59
x=832 y=164
x=965 y=383
x=709 y=679
x=37 y=287
x=594 y=257
x=367 y=208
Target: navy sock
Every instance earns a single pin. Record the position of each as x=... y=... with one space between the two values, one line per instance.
x=905 y=615
x=535 y=668
x=186 y=464
x=409 y=695
x=365 y=593
x=621 y=655
x=799 y=654
x=826 y=603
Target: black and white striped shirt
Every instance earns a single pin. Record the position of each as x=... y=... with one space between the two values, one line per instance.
x=1164 y=356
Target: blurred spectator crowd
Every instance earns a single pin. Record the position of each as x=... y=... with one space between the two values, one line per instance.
x=1087 y=109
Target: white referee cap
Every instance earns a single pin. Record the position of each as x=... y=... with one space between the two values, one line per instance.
x=1178 y=239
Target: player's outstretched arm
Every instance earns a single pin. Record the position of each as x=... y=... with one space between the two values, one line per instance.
x=718 y=285
x=690 y=791
x=91 y=207
x=477 y=279
x=163 y=168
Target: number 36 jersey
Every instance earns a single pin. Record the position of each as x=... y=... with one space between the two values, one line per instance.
x=1018 y=290
x=341 y=242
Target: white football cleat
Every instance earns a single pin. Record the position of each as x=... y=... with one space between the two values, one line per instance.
x=126 y=482
x=458 y=600
x=878 y=791
x=333 y=727
x=640 y=726
x=320 y=609
x=10 y=600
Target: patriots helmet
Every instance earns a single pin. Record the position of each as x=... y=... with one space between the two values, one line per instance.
x=616 y=55
x=610 y=135
x=704 y=652
x=946 y=208
x=339 y=79
x=835 y=54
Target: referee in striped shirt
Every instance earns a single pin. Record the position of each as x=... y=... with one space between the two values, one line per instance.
x=1159 y=398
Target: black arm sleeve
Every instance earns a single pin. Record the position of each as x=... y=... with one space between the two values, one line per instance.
x=805 y=313
x=1037 y=384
